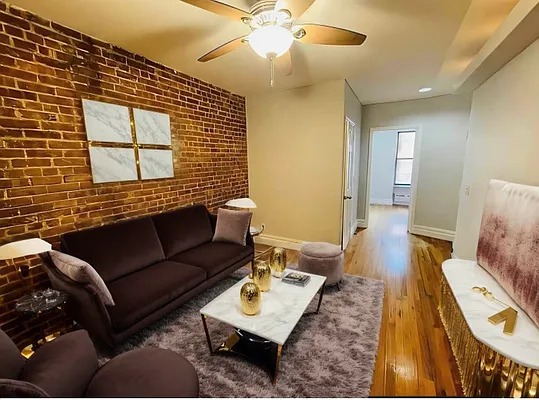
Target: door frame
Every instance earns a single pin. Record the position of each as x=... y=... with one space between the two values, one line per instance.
x=415 y=169
x=348 y=122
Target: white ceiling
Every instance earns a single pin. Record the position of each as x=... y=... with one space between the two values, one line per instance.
x=410 y=43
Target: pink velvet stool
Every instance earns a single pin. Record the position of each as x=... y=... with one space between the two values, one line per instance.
x=324 y=259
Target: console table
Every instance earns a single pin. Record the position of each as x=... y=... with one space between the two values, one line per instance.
x=491 y=363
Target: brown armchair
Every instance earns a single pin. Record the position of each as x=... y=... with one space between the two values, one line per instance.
x=68 y=367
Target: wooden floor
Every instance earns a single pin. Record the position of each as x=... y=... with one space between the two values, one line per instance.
x=414 y=357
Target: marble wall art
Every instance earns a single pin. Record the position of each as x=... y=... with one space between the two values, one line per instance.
x=152 y=127
x=107 y=122
x=113 y=164
x=155 y=164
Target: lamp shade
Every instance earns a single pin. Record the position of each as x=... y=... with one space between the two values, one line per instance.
x=241 y=203
x=23 y=248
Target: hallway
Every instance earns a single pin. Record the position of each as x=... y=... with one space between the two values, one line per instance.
x=414 y=350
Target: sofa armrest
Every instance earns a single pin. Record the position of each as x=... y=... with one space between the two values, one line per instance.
x=213 y=222
x=83 y=304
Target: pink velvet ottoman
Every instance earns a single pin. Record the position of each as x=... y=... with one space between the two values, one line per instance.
x=324 y=259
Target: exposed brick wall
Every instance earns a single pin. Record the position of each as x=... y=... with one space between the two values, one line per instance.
x=46 y=186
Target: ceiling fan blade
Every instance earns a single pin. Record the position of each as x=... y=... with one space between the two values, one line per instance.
x=296 y=7
x=223 y=49
x=283 y=64
x=330 y=35
x=219 y=8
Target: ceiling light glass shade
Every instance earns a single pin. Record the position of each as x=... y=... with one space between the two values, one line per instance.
x=271 y=41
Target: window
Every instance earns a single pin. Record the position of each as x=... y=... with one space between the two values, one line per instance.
x=405 y=158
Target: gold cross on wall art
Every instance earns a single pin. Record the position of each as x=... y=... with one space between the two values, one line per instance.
x=509 y=315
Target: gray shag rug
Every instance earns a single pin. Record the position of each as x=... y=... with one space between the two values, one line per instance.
x=330 y=354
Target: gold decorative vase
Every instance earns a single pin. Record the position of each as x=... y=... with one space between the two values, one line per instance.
x=250 y=297
x=262 y=275
x=278 y=261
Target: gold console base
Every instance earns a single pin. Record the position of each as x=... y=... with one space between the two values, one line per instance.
x=483 y=371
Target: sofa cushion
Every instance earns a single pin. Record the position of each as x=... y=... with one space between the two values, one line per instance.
x=214 y=257
x=63 y=367
x=116 y=250
x=147 y=372
x=141 y=293
x=183 y=229
x=82 y=272
x=12 y=361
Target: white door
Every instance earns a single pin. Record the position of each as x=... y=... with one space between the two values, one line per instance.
x=348 y=212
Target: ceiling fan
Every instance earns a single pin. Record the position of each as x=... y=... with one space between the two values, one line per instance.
x=273 y=31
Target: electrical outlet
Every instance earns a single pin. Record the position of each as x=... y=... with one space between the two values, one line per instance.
x=467 y=190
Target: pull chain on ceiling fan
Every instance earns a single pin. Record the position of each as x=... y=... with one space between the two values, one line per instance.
x=273 y=31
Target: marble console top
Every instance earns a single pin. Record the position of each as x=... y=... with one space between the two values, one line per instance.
x=521 y=347
x=280 y=310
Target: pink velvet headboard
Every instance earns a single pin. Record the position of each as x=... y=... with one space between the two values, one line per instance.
x=508 y=246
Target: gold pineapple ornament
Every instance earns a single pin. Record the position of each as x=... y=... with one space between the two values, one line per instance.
x=262 y=275
x=250 y=297
x=278 y=262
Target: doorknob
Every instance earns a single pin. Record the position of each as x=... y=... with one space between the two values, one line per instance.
x=348 y=197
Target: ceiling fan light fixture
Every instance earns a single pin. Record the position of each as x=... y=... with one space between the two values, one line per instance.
x=271 y=41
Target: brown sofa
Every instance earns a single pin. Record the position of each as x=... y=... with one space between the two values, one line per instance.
x=68 y=367
x=151 y=266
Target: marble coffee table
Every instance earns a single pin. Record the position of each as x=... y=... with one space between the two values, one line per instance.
x=260 y=338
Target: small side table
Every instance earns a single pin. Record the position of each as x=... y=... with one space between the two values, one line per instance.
x=34 y=305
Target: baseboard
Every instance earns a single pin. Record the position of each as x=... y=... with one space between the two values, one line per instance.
x=354 y=226
x=401 y=204
x=436 y=233
x=382 y=202
x=278 y=241
x=361 y=223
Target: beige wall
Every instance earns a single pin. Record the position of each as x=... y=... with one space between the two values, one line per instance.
x=295 y=150
x=444 y=121
x=503 y=141
x=353 y=111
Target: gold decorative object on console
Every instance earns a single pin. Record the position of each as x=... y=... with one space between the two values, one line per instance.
x=250 y=297
x=509 y=315
x=483 y=371
x=262 y=275
x=278 y=261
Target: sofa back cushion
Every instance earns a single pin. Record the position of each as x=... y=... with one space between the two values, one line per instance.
x=183 y=229
x=508 y=246
x=116 y=250
x=11 y=361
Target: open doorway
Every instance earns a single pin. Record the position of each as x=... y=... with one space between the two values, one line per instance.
x=392 y=177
